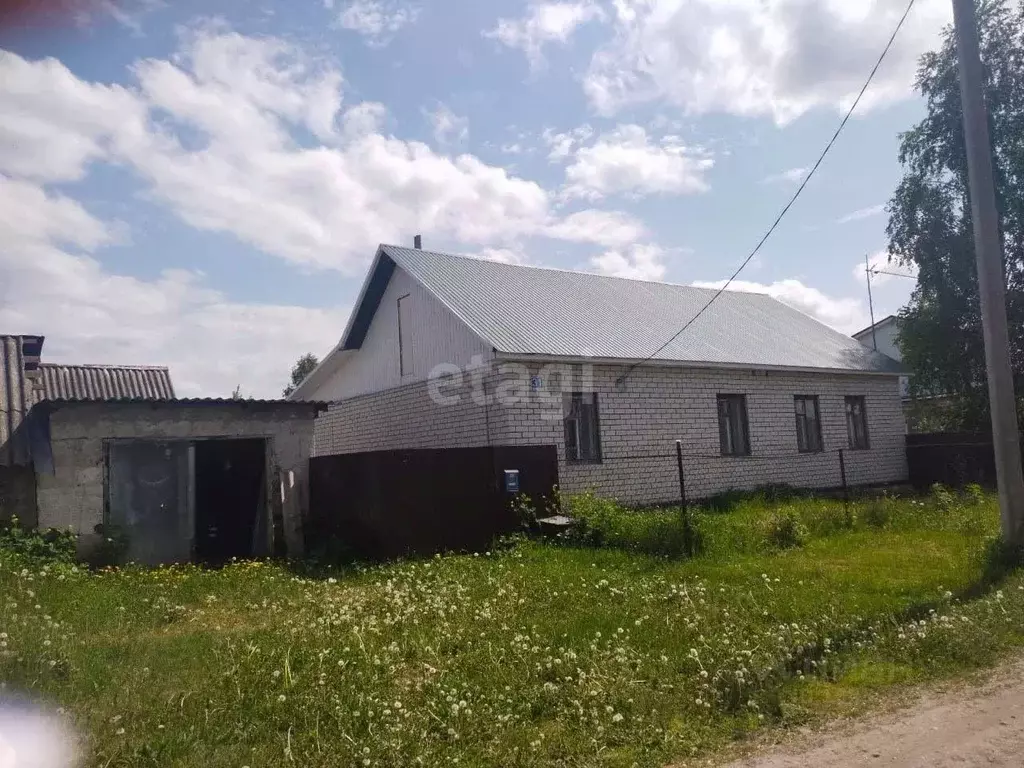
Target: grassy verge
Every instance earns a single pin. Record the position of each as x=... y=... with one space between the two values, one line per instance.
x=536 y=655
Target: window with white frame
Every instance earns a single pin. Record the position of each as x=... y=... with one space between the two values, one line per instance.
x=857 y=423
x=733 y=430
x=582 y=427
x=808 y=423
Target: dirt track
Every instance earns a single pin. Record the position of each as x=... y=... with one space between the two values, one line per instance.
x=965 y=726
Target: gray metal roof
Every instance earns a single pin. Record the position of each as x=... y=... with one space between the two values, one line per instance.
x=106 y=382
x=19 y=362
x=554 y=313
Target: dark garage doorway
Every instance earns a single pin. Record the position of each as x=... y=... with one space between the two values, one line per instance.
x=230 y=499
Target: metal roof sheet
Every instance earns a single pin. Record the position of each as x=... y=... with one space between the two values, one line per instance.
x=105 y=382
x=19 y=361
x=523 y=310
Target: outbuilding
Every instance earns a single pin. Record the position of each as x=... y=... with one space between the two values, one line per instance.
x=114 y=456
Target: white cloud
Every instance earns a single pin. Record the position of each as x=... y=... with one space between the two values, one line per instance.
x=641 y=262
x=792 y=176
x=863 y=213
x=608 y=228
x=627 y=161
x=213 y=134
x=844 y=314
x=54 y=124
x=448 y=127
x=758 y=57
x=376 y=20
x=503 y=255
x=245 y=136
x=561 y=145
x=50 y=284
x=544 y=23
x=880 y=261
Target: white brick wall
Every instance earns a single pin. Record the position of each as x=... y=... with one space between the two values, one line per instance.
x=640 y=422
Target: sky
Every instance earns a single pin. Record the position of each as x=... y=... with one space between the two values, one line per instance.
x=203 y=185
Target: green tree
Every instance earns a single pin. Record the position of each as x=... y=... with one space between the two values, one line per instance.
x=302 y=368
x=930 y=226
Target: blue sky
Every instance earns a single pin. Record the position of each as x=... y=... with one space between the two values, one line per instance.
x=202 y=185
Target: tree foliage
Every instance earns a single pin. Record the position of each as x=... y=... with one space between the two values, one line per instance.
x=940 y=332
x=302 y=368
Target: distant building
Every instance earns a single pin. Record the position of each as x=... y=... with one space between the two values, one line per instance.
x=882 y=337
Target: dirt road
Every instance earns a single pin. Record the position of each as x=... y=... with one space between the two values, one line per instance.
x=964 y=726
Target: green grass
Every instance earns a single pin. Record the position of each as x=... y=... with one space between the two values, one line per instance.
x=537 y=655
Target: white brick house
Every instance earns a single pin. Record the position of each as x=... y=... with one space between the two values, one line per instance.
x=446 y=351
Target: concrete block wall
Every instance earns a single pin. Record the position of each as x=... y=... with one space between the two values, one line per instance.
x=640 y=421
x=73 y=497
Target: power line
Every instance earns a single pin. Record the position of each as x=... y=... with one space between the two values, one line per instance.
x=892 y=274
x=785 y=210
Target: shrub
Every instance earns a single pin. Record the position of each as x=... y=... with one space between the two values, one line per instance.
x=50 y=545
x=788 y=530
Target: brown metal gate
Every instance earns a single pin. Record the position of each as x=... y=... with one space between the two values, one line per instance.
x=385 y=504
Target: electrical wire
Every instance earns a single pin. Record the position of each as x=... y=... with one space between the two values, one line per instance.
x=785 y=210
x=892 y=274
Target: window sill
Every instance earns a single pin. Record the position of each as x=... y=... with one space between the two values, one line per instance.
x=583 y=462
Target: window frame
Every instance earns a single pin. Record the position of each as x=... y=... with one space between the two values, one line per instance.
x=851 y=417
x=576 y=412
x=729 y=407
x=804 y=436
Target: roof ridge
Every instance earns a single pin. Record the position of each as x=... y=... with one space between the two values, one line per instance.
x=567 y=271
x=107 y=366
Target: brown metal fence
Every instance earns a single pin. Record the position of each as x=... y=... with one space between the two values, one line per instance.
x=385 y=504
x=951 y=458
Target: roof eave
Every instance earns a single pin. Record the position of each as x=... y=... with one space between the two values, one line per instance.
x=535 y=358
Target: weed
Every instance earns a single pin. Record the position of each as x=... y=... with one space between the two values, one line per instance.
x=788 y=530
x=945 y=500
x=51 y=545
x=877 y=512
x=974 y=495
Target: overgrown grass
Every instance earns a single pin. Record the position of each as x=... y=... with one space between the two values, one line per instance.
x=775 y=518
x=536 y=655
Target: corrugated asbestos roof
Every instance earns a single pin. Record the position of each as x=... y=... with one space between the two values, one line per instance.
x=19 y=362
x=554 y=313
x=194 y=401
x=106 y=382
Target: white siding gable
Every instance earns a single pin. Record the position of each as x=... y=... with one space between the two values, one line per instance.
x=430 y=335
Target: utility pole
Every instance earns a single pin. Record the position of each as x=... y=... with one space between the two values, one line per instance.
x=991 y=280
x=871 y=302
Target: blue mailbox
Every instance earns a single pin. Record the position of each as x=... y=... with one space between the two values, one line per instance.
x=511 y=481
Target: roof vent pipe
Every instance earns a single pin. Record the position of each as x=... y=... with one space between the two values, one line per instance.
x=417 y=242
